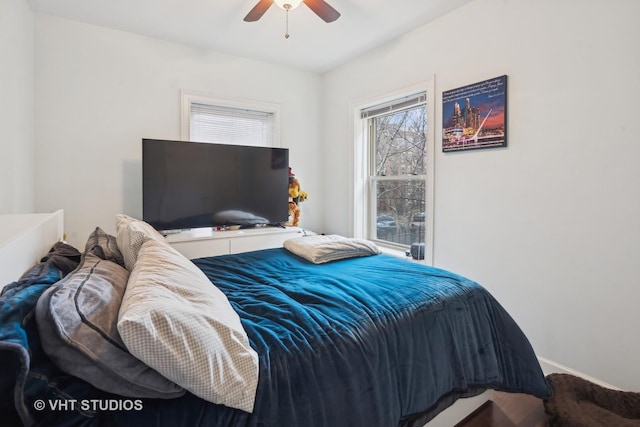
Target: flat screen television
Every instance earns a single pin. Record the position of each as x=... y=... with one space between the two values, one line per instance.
x=189 y=185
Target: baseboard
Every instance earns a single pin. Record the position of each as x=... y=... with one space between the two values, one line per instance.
x=551 y=367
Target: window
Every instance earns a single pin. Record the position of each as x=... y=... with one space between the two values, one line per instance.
x=397 y=172
x=206 y=119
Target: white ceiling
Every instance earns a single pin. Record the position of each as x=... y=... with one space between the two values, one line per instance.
x=218 y=25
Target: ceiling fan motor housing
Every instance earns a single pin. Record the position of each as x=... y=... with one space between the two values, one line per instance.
x=288 y=4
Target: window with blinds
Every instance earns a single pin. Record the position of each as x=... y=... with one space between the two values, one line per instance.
x=397 y=169
x=208 y=120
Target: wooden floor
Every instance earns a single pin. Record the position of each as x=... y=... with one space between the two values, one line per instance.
x=509 y=410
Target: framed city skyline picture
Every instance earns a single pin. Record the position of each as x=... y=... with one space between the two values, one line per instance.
x=475 y=116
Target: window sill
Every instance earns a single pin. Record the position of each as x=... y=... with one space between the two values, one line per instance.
x=398 y=253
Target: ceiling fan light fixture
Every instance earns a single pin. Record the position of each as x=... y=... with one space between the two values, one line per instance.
x=287 y=4
x=319 y=7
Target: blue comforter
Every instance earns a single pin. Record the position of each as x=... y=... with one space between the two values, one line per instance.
x=373 y=341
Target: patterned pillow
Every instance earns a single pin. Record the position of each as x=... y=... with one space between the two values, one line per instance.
x=131 y=234
x=77 y=321
x=174 y=319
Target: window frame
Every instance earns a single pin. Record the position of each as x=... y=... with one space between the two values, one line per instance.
x=187 y=98
x=363 y=215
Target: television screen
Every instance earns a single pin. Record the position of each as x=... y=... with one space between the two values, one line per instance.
x=190 y=185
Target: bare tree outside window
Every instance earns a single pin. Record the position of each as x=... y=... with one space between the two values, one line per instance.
x=398 y=177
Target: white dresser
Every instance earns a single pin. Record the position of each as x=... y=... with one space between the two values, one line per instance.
x=25 y=239
x=205 y=242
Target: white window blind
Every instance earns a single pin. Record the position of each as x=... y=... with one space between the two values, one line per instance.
x=228 y=125
x=404 y=103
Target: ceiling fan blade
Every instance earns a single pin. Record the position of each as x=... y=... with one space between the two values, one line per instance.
x=323 y=10
x=258 y=10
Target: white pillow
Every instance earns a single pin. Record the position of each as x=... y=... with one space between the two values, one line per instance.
x=333 y=247
x=176 y=321
x=131 y=234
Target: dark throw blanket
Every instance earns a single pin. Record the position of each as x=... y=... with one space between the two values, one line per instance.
x=19 y=341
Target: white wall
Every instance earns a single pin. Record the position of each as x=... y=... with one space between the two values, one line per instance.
x=100 y=91
x=551 y=224
x=16 y=107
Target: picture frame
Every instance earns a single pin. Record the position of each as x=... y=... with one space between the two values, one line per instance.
x=475 y=116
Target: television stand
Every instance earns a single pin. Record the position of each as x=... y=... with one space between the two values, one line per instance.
x=204 y=242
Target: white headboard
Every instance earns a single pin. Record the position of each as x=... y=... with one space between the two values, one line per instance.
x=25 y=239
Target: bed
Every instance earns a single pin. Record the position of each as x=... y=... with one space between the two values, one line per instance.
x=366 y=340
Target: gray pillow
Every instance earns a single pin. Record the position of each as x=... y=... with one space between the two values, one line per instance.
x=77 y=320
x=104 y=245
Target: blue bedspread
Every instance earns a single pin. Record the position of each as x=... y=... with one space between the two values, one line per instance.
x=373 y=341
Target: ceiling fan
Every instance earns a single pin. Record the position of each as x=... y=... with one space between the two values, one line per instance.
x=319 y=7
